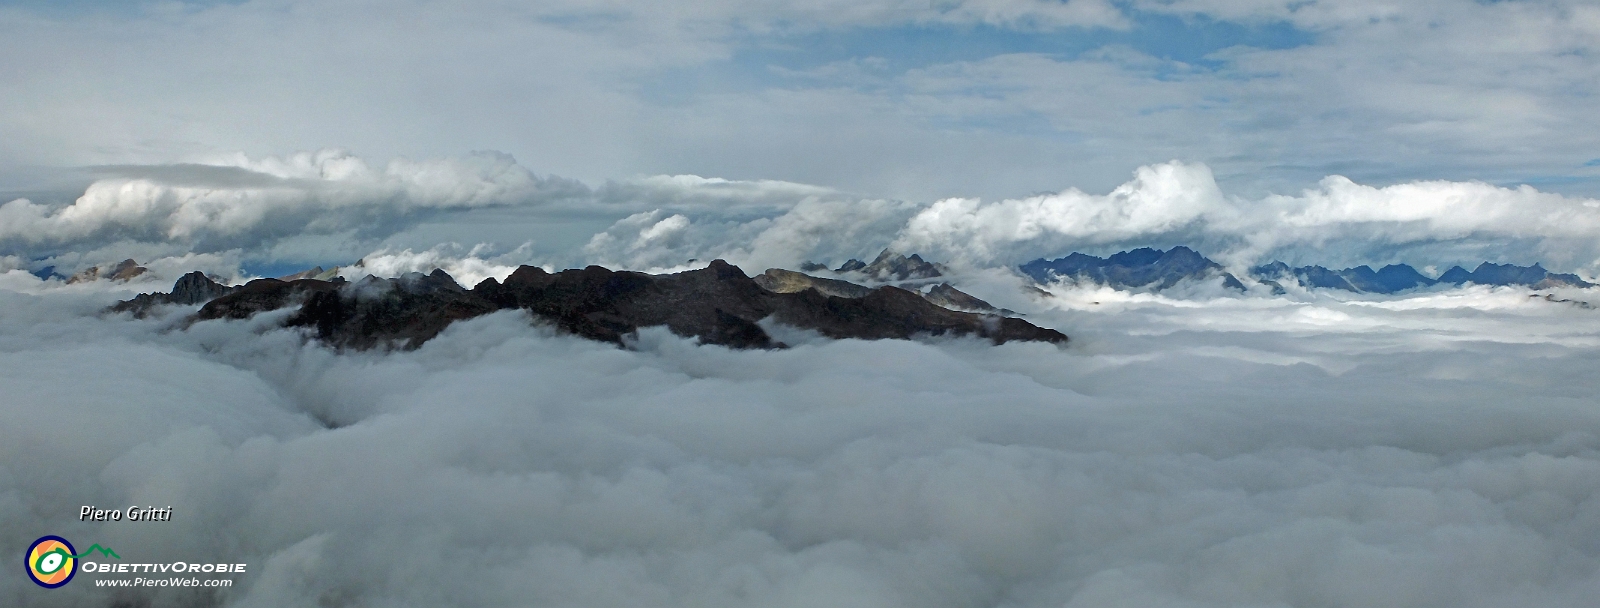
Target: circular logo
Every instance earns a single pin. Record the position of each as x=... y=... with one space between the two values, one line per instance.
x=50 y=562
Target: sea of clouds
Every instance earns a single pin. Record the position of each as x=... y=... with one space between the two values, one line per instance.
x=1191 y=448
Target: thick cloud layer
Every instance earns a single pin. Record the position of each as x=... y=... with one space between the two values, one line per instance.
x=247 y=203
x=1432 y=223
x=1440 y=449
x=331 y=208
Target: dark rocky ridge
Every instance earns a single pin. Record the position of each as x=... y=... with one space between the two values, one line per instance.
x=718 y=304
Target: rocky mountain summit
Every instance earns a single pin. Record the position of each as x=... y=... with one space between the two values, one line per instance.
x=718 y=304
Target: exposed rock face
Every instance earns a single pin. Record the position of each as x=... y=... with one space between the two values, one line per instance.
x=406 y=311
x=946 y=295
x=718 y=304
x=193 y=288
x=262 y=295
x=1139 y=268
x=891 y=266
x=778 y=280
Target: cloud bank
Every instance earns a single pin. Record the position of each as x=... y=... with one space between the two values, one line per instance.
x=891 y=98
x=331 y=208
x=1432 y=450
x=244 y=203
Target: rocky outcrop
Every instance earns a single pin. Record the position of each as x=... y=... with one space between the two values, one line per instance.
x=944 y=295
x=718 y=304
x=404 y=312
x=947 y=296
x=1142 y=268
x=778 y=280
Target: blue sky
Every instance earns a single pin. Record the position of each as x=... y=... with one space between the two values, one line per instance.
x=913 y=100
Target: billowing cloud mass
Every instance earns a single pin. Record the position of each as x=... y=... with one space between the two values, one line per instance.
x=1196 y=446
x=891 y=98
x=241 y=203
x=1192 y=447
x=331 y=208
x=1438 y=449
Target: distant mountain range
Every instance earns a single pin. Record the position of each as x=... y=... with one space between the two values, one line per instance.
x=1137 y=269
x=1148 y=268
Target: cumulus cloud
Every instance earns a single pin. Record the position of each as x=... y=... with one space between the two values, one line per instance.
x=242 y=202
x=1438 y=449
x=1338 y=222
x=332 y=209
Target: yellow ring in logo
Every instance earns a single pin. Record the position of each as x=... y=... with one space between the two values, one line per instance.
x=50 y=562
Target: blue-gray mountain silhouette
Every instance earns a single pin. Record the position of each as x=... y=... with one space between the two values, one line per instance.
x=1395 y=278
x=1139 y=268
x=1534 y=276
x=1156 y=269
x=1390 y=279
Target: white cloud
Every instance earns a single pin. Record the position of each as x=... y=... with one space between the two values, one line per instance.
x=331 y=208
x=245 y=203
x=1340 y=221
x=1380 y=91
